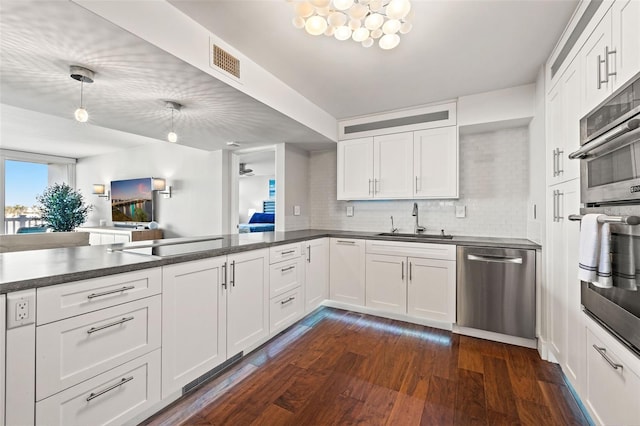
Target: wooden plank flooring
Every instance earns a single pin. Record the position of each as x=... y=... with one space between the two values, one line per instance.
x=337 y=367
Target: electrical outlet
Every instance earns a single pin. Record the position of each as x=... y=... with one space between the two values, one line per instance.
x=21 y=308
x=296 y=210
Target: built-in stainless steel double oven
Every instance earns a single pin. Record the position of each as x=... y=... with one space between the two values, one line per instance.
x=610 y=184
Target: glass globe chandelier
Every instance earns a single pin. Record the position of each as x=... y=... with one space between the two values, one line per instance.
x=363 y=21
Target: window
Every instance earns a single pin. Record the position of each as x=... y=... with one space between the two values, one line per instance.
x=23 y=176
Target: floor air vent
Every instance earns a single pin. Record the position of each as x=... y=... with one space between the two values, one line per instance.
x=211 y=374
x=226 y=61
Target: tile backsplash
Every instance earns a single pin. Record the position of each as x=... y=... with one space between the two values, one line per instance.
x=493 y=186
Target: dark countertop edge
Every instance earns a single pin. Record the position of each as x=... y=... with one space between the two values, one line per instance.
x=304 y=235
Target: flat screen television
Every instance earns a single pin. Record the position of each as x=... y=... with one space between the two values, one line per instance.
x=132 y=202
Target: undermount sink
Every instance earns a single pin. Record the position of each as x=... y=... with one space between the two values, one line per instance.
x=419 y=236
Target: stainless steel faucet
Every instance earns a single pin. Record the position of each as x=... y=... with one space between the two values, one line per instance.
x=417 y=229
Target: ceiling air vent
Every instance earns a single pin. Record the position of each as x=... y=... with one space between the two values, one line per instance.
x=226 y=61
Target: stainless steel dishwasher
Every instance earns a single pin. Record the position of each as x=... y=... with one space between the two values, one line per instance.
x=496 y=290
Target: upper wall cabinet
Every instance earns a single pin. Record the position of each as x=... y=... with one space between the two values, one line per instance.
x=421 y=164
x=611 y=54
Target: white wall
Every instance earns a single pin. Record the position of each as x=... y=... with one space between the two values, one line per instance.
x=252 y=191
x=494 y=183
x=537 y=199
x=197 y=179
x=514 y=104
x=296 y=188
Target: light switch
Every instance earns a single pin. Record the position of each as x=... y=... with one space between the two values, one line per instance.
x=349 y=211
x=296 y=210
x=461 y=211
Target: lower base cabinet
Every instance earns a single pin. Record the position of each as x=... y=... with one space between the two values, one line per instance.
x=431 y=291
x=110 y=398
x=387 y=283
x=193 y=321
x=285 y=310
x=347 y=271
x=612 y=385
x=316 y=273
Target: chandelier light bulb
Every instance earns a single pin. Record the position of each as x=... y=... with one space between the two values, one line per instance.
x=392 y=26
x=298 y=22
x=172 y=137
x=342 y=33
x=375 y=5
x=81 y=115
x=368 y=42
x=337 y=19
x=342 y=4
x=358 y=11
x=315 y=25
x=304 y=9
x=398 y=9
x=320 y=3
x=389 y=41
x=360 y=34
x=354 y=24
x=374 y=21
x=376 y=33
x=405 y=27
x=330 y=31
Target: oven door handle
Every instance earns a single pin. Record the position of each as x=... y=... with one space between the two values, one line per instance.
x=598 y=142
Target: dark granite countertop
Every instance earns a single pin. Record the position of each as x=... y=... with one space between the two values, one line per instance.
x=39 y=268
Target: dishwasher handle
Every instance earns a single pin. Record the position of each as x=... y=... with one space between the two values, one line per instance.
x=496 y=259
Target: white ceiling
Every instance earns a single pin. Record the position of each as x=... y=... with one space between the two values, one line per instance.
x=40 y=39
x=456 y=48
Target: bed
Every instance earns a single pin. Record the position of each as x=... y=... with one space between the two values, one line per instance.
x=259 y=222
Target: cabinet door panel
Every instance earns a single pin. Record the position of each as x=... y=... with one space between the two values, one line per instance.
x=285 y=276
x=386 y=286
x=355 y=169
x=393 y=165
x=432 y=289
x=248 y=300
x=316 y=273
x=436 y=163
x=593 y=53
x=347 y=271
x=193 y=321
x=625 y=15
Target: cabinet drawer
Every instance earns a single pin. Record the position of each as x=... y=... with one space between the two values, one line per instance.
x=78 y=348
x=284 y=252
x=111 y=398
x=285 y=276
x=611 y=393
x=67 y=300
x=285 y=310
x=424 y=250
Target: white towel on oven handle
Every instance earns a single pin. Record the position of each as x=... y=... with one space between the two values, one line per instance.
x=589 y=255
x=604 y=277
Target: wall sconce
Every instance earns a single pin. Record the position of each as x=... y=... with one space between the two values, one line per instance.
x=99 y=190
x=161 y=186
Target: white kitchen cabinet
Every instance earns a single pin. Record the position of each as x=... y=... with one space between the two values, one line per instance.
x=392 y=167
x=78 y=348
x=347 y=271
x=612 y=385
x=611 y=54
x=194 y=321
x=286 y=275
x=386 y=283
x=3 y=330
x=247 y=300
x=112 y=398
x=562 y=290
x=625 y=39
x=435 y=163
x=355 y=169
x=285 y=309
x=564 y=110
x=316 y=273
x=400 y=280
x=432 y=289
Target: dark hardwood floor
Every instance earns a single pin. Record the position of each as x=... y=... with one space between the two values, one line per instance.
x=339 y=367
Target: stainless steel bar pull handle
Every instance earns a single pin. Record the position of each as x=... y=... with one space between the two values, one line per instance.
x=288 y=268
x=603 y=353
x=559 y=153
x=224 y=275
x=599 y=73
x=288 y=252
x=284 y=302
x=233 y=273
x=417 y=188
x=309 y=254
x=370 y=187
x=104 y=293
x=403 y=271
x=345 y=242
x=496 y=259
x=410 y=271
x=110 y=388
x=376 y=187
x=555 y=203
x=555 y=168
x=112 y=324
x=607 y=72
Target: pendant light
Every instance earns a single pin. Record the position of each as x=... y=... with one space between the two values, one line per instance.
x=83 y=75
x=174 y=106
